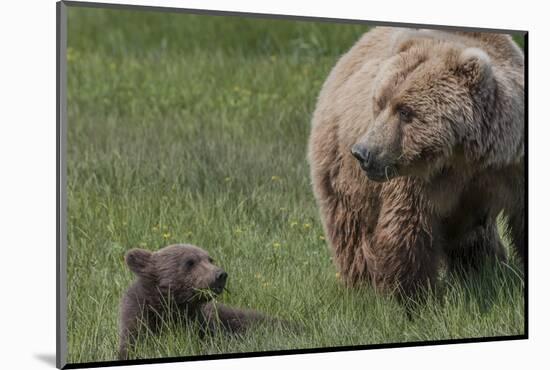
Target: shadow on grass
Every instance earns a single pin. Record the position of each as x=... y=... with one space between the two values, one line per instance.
x=492 y=284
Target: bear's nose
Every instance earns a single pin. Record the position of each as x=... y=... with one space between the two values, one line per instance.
x=221 y=276
x=361 y=153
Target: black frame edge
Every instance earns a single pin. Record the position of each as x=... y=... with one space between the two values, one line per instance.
x=526 y=164
x=61 y=103
x=290 y=352
x=281 y=16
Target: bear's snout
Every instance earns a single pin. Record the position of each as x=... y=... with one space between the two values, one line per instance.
x=220 y=279
x=362 y=154
x=372 y=162
x=221 y=276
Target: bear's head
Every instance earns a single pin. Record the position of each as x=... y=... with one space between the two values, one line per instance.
x=428 y=105
x=181 y=272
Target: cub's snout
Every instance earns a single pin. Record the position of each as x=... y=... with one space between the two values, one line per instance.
x=219 y=281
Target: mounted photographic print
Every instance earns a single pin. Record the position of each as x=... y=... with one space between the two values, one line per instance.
x=235 y=185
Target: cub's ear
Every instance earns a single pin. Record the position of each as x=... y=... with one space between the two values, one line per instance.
x=138 y=260
x=474 y=66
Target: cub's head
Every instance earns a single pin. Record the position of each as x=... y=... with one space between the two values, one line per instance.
x=428 y=104
x=182 y=272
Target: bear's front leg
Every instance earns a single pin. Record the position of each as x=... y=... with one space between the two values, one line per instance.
x=404 y=252
x=216 y=316
x=470 y=250
x=515 y=212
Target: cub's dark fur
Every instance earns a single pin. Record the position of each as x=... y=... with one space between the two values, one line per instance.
x=172 y=282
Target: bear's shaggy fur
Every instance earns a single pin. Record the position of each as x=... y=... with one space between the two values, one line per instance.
x=417 y=145
x=172 y=281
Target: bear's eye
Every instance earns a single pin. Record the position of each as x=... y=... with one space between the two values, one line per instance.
x=210 y=259
x=405 y=114
x=190 y=263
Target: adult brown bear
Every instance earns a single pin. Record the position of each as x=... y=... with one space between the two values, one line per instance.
x=417 y=145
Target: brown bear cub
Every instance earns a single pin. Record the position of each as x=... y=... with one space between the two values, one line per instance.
x=177 y=282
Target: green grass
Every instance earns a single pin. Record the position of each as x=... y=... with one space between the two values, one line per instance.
x=193 y=129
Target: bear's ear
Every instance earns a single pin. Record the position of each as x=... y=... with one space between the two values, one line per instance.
x=403 y=40
x=138 y=260
x=474 y=66
x=405 y=45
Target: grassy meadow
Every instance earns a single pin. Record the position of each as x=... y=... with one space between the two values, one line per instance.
x=186 y=128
